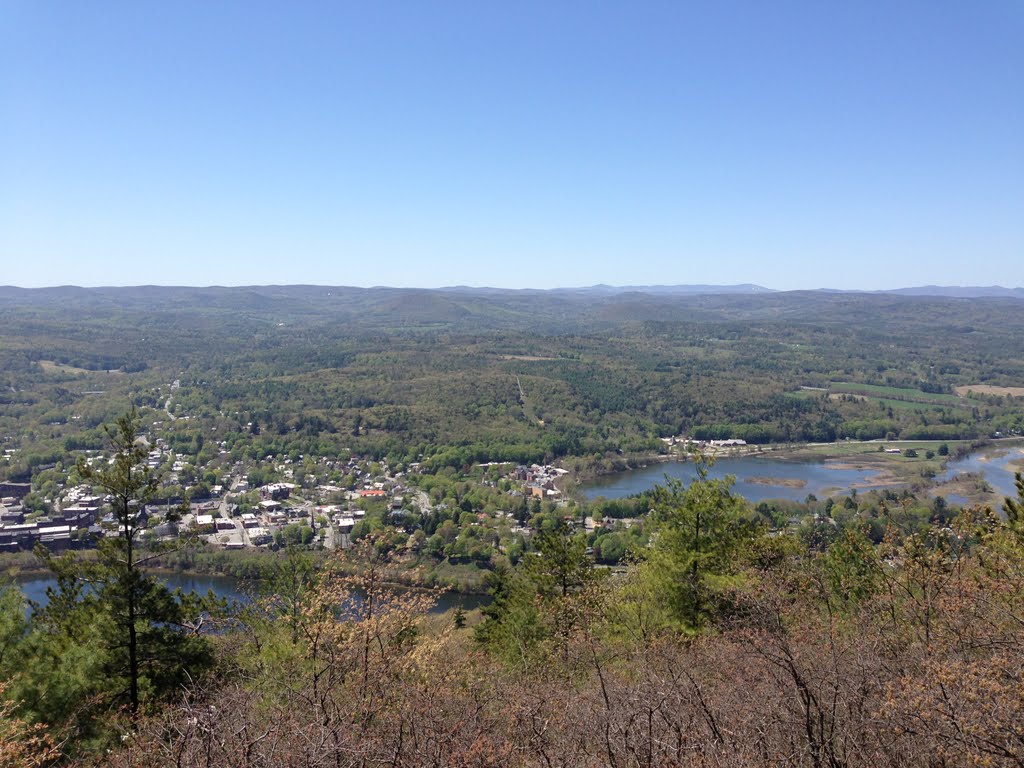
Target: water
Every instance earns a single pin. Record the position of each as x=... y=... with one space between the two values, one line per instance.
x=955 y=499
x=994 y=464
x=238 y=590
x=822 y=478
x=34 y=587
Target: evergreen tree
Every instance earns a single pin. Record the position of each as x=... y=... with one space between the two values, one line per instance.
x=1014 y=508
x=560 y=564
x=512 y=627
x=701 y=534
x=536 y=602
x=288 y=587
x=145 y=634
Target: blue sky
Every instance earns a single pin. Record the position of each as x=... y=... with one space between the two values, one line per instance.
x=790 y=144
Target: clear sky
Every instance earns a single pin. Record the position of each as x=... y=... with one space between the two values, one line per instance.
x=871 y=144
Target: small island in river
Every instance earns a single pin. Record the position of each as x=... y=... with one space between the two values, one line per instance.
x=784 y=482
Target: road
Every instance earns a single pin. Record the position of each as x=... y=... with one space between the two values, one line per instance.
x=424 y=502
x=176 y=384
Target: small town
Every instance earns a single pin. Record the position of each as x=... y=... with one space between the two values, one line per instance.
x=237 y=516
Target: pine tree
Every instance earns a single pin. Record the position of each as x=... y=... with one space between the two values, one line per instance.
x=147 y=643
x=560 y=564
x=700 y=536
x=1014 y=508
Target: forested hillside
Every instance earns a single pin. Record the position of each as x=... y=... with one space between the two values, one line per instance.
x=470 y=375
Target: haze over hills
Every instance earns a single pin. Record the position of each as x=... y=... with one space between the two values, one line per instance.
x=8 y=292
x=601 y=288
x=963 y=292
x=596 y=310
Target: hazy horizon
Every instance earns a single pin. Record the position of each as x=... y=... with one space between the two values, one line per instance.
x=692 y=287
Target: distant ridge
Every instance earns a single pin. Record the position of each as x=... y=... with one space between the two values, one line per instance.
x=611 y=290
x=676 y=289
x=270 y=292
x=961 y=292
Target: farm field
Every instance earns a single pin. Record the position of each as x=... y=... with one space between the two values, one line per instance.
x=904 y=394
x=987 y=389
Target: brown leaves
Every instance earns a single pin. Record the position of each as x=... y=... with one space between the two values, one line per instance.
x=23 y=745
x=923 y=666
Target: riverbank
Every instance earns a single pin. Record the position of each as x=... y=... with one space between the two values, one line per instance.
x=582 y=473
x=856 y=454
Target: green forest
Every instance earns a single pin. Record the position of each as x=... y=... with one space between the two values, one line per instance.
x=456 y=377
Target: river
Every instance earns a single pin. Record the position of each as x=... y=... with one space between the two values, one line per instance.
x=993 y=463
x=238 y=590
x=764 y=477
x=757 y=478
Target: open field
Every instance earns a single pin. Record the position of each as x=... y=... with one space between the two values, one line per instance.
x=889 y=402
x=987 y=389
x=51 y=366
x=870 y=448
x=897 y=393
x=894 y=468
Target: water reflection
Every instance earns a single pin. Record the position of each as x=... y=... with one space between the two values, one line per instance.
x=763 y=477
x=757 y=478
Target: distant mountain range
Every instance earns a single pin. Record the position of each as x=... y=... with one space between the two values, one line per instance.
x=613 y=290
x=668 y=290
x=951 y=291
x=961 y=292
x=594 y=291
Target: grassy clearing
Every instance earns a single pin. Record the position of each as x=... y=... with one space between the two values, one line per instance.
x=987 y=389
x=888 y=402
x=806 y=394
x=900 y=467
x=51 y=366
x=898 y=393
x=841 y=395
x=906 y=405
x=856 y=448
